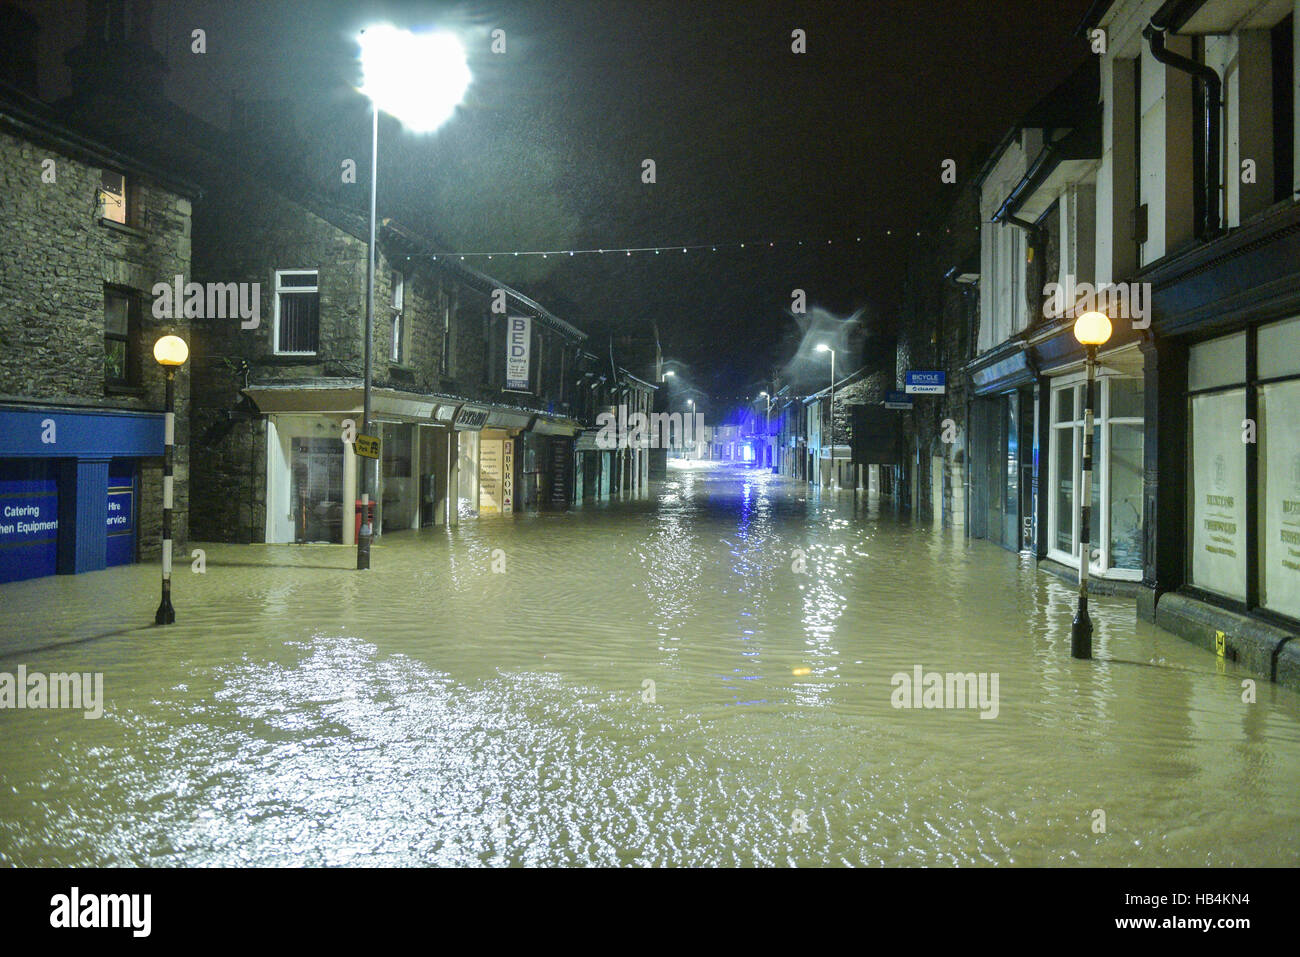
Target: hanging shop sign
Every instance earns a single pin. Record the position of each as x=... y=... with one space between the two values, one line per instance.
x=925 y=383
x=367 y=445
x=519 y=337
x=507 y=476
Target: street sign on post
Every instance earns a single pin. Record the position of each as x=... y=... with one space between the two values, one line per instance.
x=897 y=400
x=367 y=445
x=925 y=383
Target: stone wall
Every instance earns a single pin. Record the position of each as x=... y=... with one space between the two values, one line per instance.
x=56 y=256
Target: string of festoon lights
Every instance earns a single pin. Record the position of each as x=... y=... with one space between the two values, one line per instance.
x=656 y=250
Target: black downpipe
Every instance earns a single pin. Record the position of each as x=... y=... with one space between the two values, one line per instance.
x=1211 y=90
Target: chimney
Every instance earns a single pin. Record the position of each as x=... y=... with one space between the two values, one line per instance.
x=117 y=54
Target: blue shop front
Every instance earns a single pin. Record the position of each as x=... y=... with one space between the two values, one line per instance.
x=70 y=488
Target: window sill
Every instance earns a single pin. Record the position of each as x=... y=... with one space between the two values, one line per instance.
x=121 y=227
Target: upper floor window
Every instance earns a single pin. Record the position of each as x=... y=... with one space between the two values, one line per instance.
x=444 y=359
x=397 y=352
x=113 y=197
x=121 y=315
x=297 y=311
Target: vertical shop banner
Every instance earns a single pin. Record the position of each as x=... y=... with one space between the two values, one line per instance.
x=1219 y=494
x=507 y=476
x=1280 y=467
x=489 y=476
x=519 y=337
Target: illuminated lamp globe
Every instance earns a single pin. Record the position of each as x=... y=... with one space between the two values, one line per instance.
x=171 y=351
x=1092 y=329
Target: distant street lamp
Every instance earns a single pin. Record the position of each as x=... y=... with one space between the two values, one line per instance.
x=669 y=373
x=419 y=79
x=170 y=352
x=1092 y=329
x=823 y=347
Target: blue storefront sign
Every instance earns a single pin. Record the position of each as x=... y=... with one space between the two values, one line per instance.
x=29 y=521
x=897 y=400
x=925 y=383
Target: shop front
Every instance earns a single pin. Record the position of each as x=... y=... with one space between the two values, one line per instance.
x=1243 y=476
x=1003 y=486
x=70 y=488
x=1117 y=457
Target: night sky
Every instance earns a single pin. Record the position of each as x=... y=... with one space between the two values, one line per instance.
x=752 y=142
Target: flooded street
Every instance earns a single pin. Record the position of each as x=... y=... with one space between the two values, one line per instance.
x=700 y=678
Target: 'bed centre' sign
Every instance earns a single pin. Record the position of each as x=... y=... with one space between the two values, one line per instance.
x=519 y=335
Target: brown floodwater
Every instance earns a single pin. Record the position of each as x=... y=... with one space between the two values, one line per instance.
x=483 y=696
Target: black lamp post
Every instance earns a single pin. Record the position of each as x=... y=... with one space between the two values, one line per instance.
x=170 y=352
x=1092 y=329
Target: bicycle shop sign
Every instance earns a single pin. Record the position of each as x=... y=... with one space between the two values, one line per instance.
x=925 y=383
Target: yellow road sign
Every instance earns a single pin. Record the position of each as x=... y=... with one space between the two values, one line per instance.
x=367 y=445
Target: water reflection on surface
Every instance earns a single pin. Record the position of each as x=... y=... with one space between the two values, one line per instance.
x=435 y=712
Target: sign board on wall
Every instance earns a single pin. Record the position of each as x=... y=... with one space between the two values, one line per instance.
x=471 y=418
x=897 y=400
x=121 y=523
x=519 y=338
x=925 y=383
x=29 y=525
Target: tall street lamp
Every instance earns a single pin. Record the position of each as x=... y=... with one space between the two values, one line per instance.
x=170 y=352
x=823 y=347
x=1092 y=329
x=419 y=79
x=767 y=426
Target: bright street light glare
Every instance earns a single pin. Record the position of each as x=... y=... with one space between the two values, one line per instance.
x=823 y=347
x=418 y=78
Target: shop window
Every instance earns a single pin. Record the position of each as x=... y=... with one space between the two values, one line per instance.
x=1117 y=475
x=121 y=319
x=297 y=311
x=1218 y=493
x=1278 y=444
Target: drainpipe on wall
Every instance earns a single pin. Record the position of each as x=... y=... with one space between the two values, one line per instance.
x=1169 y=17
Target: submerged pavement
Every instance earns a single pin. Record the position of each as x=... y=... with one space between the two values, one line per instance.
x=736 y=670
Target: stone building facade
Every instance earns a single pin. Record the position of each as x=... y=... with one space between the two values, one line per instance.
x=91 y=231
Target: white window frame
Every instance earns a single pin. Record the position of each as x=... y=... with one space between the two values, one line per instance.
x=275 y=328
x=397 y=326
x=1102 y=423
